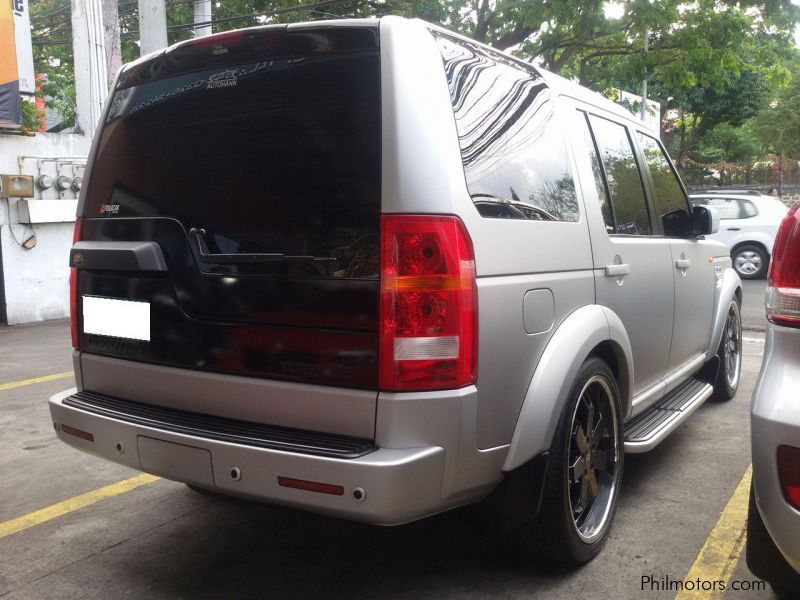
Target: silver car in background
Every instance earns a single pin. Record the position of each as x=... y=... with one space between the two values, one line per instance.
x=773 y=533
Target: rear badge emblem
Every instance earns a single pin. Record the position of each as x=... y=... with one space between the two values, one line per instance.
x=109 y=209
x=77 y=259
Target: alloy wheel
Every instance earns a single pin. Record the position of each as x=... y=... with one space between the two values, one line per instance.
x=732 y=346
x=593 y=459
x=748 y=262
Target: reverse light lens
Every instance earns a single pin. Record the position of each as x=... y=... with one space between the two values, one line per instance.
x=74 y=299
x=428 y=304
x=789 y=474
x=783 y=293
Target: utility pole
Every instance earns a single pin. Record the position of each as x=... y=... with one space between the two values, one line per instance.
x=202 y=14
x=112 y=39
x=643 y=110
x=89 y=57
x=152 y=26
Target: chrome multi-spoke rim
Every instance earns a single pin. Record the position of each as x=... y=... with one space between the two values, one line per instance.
x=593 y=459
x=732 y=346
x=748 y=262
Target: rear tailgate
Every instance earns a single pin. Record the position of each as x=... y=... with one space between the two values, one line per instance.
x=246 y=171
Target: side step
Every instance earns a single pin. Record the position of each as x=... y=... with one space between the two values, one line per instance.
x=645 y=431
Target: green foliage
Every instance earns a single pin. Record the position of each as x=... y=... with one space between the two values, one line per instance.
x=778 y=128
x=730 y=144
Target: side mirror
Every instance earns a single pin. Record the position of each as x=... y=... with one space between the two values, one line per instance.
x=704 y=221
x=677 y=223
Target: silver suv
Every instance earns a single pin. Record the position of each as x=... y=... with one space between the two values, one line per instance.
x=377 y=270
x=773 y=522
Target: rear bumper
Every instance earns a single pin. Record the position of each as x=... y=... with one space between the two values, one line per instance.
x=775 y=422
x=400 y=484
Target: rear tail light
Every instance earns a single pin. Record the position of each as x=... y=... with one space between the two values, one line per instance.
x=789 y=473
x=429 y=307
x=74 y=301
x=783 y=292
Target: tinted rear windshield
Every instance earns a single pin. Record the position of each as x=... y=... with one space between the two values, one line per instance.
x=280 y=155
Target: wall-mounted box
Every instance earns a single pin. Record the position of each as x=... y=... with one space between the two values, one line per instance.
x=47 y=211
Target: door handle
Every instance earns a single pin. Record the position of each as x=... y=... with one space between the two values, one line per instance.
x=617 y=270
x=683 y=263
x=734 y=228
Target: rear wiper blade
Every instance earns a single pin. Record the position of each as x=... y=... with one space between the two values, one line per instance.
x=201 y=253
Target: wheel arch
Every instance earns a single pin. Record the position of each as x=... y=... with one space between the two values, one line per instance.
x=751 y=242
x=728 y=286
x=590 y=330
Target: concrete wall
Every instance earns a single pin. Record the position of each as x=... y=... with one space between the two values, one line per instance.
x=36 y=282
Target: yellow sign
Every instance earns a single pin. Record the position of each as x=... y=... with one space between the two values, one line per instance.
x=9 y=73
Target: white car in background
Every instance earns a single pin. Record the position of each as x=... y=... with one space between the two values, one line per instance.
x=748 y=224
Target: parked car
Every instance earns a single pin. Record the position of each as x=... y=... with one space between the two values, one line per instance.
x=734 y=192
x=773 y=523
x=747 y=226
x=289 y=284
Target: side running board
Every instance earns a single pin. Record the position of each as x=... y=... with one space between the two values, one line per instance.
x=645 y=431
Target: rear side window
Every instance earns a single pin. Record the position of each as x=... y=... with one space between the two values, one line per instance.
x=272 y=156
x=597 y=171
x=726 y=208
x=748 y=209
x=669 y=196
x=622 y=177
x=514 y=154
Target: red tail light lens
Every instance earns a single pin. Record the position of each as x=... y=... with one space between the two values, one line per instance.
x=783 y=293
x=429 y=328
x=789 y=473
x=74 y=300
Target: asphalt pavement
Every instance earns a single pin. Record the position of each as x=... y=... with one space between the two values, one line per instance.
x=162 y=540
x=753 y=315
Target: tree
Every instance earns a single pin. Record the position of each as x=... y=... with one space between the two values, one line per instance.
x=779 y=126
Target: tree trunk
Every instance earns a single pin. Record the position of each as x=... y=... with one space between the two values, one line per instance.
x=780 y=175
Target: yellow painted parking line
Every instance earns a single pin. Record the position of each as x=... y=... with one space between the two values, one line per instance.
x=72 y=504
x=15 y=384
x=720 y=554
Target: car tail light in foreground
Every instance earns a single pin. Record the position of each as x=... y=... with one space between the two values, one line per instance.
x=429 y=307
x=783 y=292
x=74 y=302
x=789 y=473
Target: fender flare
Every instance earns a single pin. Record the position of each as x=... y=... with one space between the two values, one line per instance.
x=728 y=284
x=576 y=337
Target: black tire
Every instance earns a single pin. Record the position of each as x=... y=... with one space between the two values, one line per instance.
x=555 y=532
x=750 y=261
x=726 y=383
x=764 y=559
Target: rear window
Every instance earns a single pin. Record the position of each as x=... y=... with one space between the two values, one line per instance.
x=280 y=155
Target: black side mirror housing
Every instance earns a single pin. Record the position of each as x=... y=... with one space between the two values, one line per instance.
x=704 y=221
x=677 y=223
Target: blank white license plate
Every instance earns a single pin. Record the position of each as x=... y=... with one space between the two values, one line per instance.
x=116 y=318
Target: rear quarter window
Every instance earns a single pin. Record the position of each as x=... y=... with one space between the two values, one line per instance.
x=514 y=154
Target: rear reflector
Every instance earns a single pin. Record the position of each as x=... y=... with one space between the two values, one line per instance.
x=84 y=435
x=789 y=474
x=783 y=293
x=429 y=330
x=311 y=486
